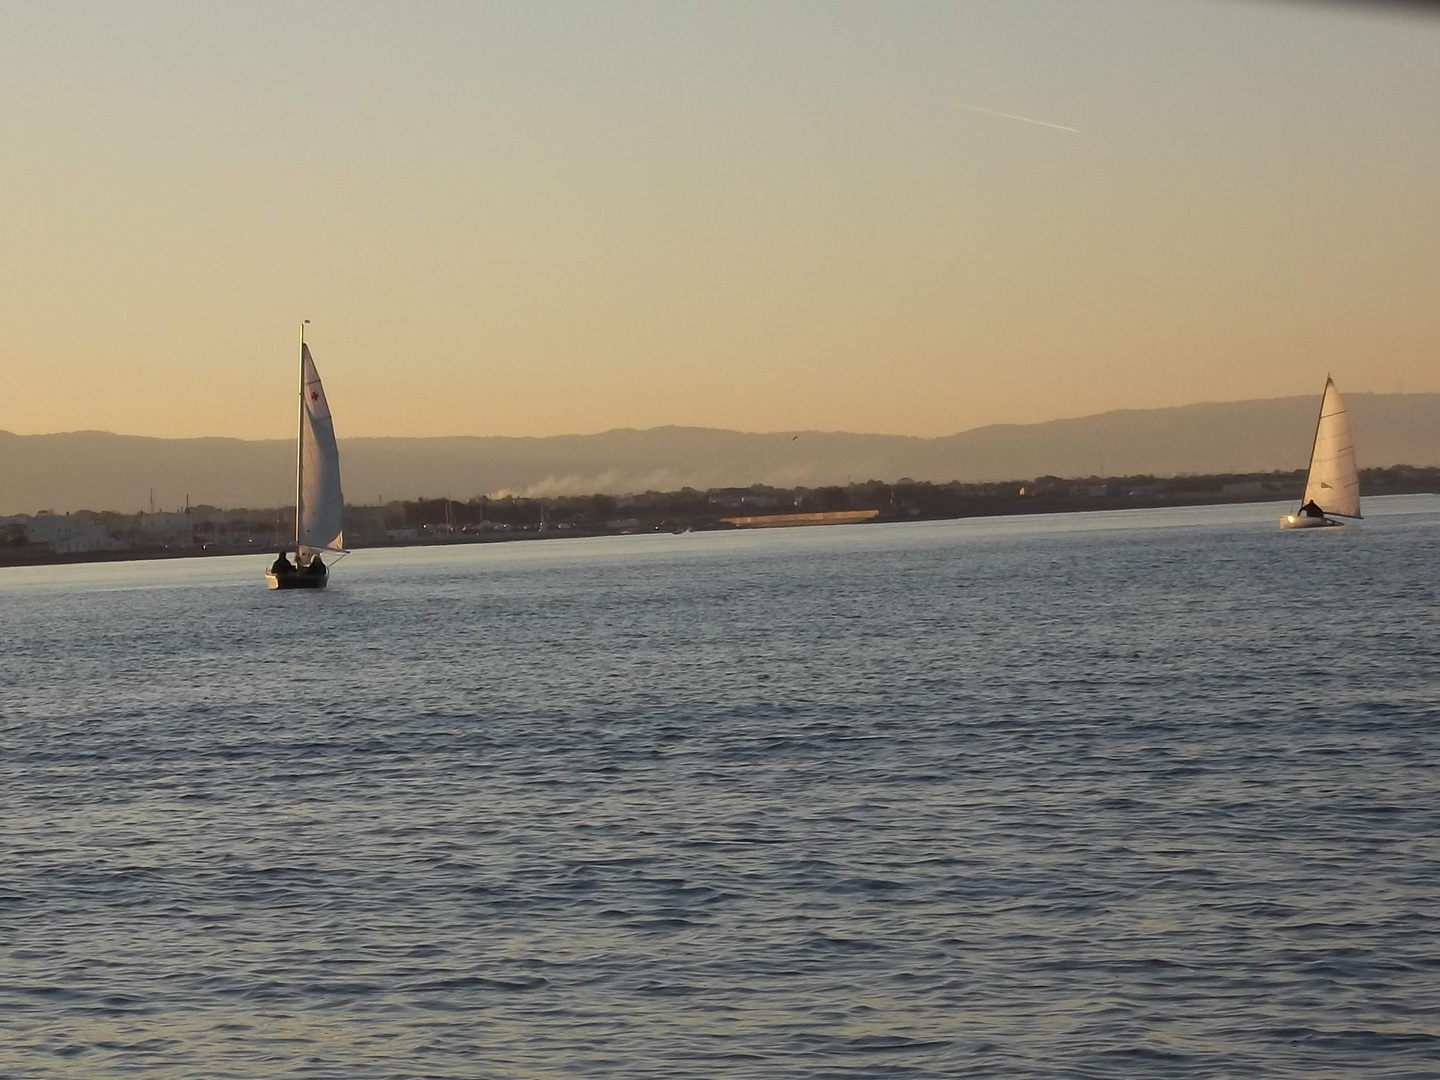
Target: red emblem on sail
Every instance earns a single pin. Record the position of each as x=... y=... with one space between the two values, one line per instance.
x=314 y=395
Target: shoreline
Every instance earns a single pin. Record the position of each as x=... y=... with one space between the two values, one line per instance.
x=1027 y=508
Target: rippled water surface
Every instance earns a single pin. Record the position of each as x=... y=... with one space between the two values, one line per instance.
x=1135 y=794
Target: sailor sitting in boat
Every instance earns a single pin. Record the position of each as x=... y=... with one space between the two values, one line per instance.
x=1311 y=510
x=316 y=567
x=281 y=565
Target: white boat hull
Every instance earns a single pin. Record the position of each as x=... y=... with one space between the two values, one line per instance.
x=1304 y=521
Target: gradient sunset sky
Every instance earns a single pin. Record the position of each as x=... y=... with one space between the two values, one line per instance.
x=537 y=218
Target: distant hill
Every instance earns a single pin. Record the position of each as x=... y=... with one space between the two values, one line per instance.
x=101 y=471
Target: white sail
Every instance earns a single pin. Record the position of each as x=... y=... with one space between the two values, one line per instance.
x=1334 y=483
x=318 y=524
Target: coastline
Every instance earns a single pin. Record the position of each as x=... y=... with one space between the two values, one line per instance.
x=1015 y=508
x=494 y=520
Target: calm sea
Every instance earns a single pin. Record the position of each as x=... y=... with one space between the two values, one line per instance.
x=1144 y=793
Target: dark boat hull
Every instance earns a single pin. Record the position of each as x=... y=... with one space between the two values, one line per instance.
x=296 y=581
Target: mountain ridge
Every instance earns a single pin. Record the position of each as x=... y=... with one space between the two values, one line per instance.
x=101 y=470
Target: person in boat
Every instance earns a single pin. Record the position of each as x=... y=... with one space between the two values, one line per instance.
x=281 y=565
x=1311 y=510
x=316 y=567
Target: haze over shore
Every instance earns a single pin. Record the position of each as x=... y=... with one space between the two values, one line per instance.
x=103 y=471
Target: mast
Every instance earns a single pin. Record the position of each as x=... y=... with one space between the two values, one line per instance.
x=299 y=451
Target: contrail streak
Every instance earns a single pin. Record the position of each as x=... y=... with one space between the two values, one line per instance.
x=1012 y=116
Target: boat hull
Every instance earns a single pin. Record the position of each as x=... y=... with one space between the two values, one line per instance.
x=1304 y=521
x=296 y=581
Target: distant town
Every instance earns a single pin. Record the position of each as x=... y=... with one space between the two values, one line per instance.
x=92 y=535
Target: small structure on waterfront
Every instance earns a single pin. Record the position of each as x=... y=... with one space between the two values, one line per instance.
x=774 y=521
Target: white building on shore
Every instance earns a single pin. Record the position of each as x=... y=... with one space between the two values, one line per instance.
x=66 y=536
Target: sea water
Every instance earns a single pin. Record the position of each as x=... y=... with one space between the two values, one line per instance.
x=1148 y=793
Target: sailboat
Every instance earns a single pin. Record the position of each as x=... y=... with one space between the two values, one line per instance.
x=1334 y=483
x=319 y=506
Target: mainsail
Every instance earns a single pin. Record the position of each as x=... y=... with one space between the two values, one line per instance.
x=320 y=506
x=1334 y=483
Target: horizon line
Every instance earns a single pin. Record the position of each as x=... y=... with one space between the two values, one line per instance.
x=728 y=430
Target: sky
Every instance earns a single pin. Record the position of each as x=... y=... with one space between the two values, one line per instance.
x=545 y=218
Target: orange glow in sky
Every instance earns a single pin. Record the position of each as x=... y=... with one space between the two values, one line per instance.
x=545 y=218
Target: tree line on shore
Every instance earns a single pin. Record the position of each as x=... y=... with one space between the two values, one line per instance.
x=212 y=529
x=903 y=500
